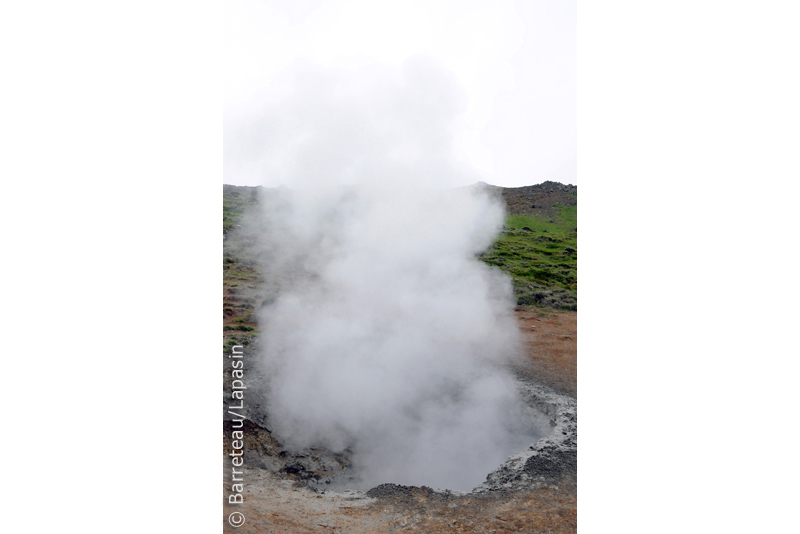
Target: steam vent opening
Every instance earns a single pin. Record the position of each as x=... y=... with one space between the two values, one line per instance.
x=476 y=452
x=451 y=457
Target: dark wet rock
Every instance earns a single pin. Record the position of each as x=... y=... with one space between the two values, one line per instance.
x=294 y=469
x=398 y=490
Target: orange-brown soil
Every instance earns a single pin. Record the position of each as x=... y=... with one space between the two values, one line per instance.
x=551 y=348
x=274 y=505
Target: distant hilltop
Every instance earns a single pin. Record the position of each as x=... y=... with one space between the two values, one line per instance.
x=541 y=199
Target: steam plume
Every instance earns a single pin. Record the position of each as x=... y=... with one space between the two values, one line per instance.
x=388 y=337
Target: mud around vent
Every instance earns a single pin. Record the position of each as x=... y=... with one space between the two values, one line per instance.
x=551 y=459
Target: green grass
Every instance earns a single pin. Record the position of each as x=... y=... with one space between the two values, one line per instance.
x=540 y=260
x=243 y=283
x=567 y=220
x=242 y=327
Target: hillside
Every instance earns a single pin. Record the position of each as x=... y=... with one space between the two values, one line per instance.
x=243 y=284
x=539 y=247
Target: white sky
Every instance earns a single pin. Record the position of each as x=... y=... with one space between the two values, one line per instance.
x=516 y=61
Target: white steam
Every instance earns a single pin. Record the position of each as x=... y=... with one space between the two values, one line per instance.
x=388 y=338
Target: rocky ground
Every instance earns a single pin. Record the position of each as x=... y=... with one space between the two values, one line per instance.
x=538 y=200
x=277 y=505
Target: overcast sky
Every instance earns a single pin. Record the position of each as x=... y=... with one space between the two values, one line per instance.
x=508 y=72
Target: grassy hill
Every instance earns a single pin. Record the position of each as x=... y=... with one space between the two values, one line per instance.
x=537 y=248
x=243 y=285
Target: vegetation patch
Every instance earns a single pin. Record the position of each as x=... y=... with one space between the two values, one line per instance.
x=540 y=254
x=242 y=282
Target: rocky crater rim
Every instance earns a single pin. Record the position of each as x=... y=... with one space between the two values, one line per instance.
x=547 y=460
